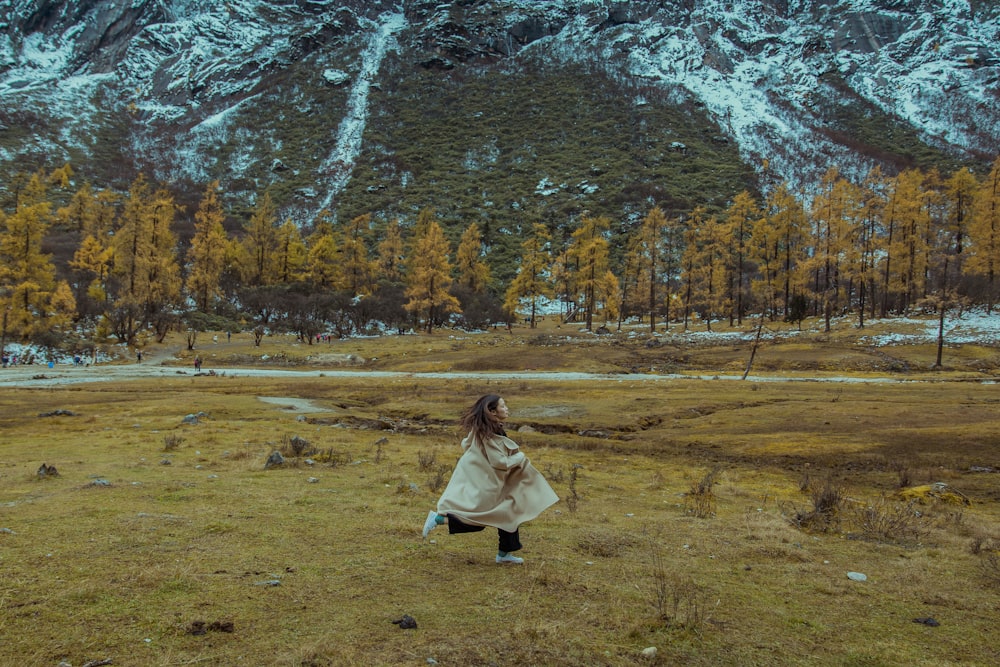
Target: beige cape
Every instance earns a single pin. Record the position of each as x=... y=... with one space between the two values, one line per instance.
x=495 y=485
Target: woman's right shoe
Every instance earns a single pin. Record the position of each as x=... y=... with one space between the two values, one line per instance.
x=509 y=558
x=430 y=522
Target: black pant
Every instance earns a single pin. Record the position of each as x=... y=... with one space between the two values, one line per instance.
x=508 y=541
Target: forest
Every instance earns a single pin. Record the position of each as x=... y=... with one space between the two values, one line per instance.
x=884 y=247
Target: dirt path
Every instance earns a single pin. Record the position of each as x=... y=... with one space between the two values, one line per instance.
x=41 y=376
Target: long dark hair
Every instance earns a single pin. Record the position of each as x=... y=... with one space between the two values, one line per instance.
x=481 y=419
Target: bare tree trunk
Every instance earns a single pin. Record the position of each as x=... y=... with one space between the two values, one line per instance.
x=940 y=340
x=753 y=348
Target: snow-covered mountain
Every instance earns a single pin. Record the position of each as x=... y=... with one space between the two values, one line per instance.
x=188 y=89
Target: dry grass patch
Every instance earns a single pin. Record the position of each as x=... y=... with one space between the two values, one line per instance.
x=310 y=563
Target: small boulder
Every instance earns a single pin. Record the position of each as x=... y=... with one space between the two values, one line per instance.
x=406 y=623
x=274 y=460
x=47 y=471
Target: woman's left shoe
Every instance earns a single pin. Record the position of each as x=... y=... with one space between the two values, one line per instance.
x=430 y=522
x=509 y=558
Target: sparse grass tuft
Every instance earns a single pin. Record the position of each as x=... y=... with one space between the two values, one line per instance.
x=700 y=498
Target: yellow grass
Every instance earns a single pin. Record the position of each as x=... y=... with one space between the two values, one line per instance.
x=311 y=562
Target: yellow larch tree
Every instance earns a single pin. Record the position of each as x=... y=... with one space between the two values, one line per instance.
x=473 y=272
x=145 y=264
x=27 y=275
x=428 y=276
x=358 y=268
x=594 y=281
x=533 y=280
x=291 y=255
x=260 y=245
x=323 y=260
x=984 y=234
x=741 y=217
x=207 y=255
x=391 y=254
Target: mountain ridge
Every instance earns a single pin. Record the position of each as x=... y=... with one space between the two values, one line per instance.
x=193 y=91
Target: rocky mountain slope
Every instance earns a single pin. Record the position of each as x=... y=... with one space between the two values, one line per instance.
x=495 y=108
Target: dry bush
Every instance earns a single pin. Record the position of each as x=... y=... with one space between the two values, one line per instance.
x=678 y=600
x=827 y=508
x=572 y=499
x=988 y=550
x=437 y=482
x=172 y=441
x=332 y=457
x=379 y=453
x=700 y=499
x=426 y=460
x=296 y=446
x=554 y=475
x=657 y=481
x=885 y=520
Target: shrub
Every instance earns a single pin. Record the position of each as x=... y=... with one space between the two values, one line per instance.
x=887 y=521
x=296 y=446
x=700 y=499
x=827 y=506
x=172 y=441
x=988 y=550
x=436 y=483
x=426 y=460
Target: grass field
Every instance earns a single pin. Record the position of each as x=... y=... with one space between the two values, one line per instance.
x=715 y=520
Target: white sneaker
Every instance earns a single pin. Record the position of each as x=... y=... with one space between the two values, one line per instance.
x=430 y=522
x=509 y=558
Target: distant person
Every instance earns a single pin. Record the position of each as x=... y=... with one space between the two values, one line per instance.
x=197 y=364
x=138 y=356
x=493 y=483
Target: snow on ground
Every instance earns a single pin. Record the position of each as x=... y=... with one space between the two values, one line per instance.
x=340 y=163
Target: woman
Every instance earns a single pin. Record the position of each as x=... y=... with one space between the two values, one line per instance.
x=493 y=483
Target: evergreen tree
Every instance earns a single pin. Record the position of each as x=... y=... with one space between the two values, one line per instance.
x=834 y=212
x=429 y=276
x=778 y=243
x=868 y=245
x=741 y=217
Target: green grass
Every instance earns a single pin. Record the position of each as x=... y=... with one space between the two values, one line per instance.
x=627 y=559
